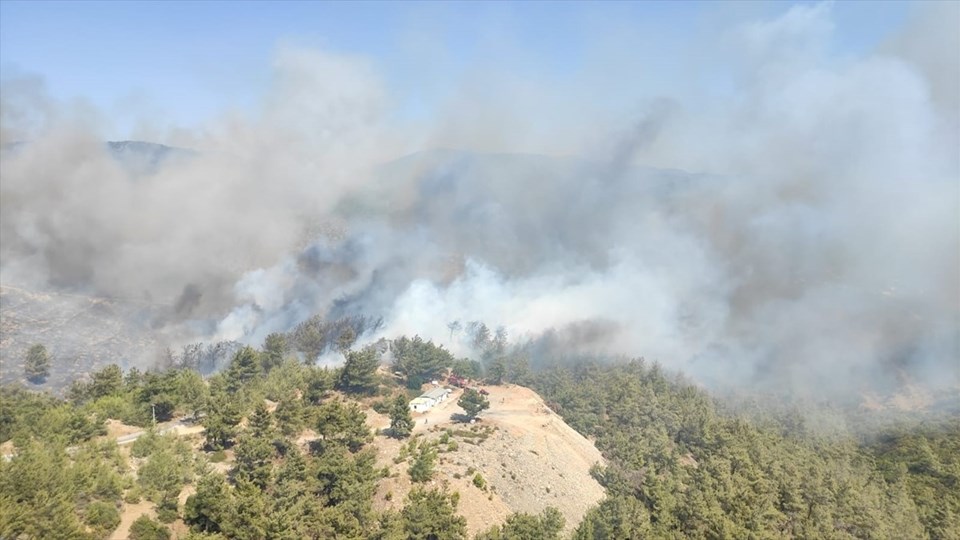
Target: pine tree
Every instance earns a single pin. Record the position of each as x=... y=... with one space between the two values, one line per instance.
x=160 y=474
x=341 y=424
x=192 y=391
x=290 y=416
x=546 y=526
x=401 y=421
x=472 y=402
x=346 y=339
x=261 y=422
x=253 y=460
x=421 y=470
x=275 y=348
x=615 y=517
x=106 y=382
x=359 y=372
x=497 y=371
x=249 y=519
x=221 y=422
x=37 y=364
x=433 y=515
x=419 y=360
x=244 y=367
x=209 y=508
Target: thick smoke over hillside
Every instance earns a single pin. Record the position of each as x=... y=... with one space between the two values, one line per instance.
x=801 y=230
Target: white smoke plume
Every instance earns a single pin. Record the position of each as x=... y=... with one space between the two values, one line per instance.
x=802 y=229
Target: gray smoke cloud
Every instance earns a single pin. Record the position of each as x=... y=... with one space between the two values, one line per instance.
x=803 y=230
x=75 y=216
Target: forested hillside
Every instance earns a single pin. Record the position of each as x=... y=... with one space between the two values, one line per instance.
x=286 y=453
x=681 y=468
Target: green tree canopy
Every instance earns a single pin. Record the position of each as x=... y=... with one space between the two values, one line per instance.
x=401 y=421
x=210 y=507
x=473 y=402
x=520 y=526
x=163 y=473
x=102 y=516
x=419 y=360
x=465 y=367
x=36 y=365
x=106 y=382
x=261 y=421
x=424 y=462
x=290 y=416
x=221 y=422
x=244 y=367
x=37 y=497
x=359 y=372
x=145 y=528
x=432 y=515
x=253 y=460
x=275 y=349
x=342 y=424
x=192 y=393
x=497 y=370
x=613 y=518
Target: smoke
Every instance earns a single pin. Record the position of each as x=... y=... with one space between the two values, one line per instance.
x=800 y=229
x=74 y=216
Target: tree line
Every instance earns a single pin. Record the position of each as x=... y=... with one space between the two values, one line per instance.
x=679 y=463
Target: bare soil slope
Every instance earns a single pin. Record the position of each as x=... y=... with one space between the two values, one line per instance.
x=530 y=459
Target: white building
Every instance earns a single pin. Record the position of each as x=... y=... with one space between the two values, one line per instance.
x=429 y=399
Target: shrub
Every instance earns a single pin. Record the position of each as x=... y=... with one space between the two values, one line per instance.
x=479 y=481
x=133 y=496
x=145 y=528
x=381 y=406
x=103 y=516
x=167 y=515
x=146 y=444
x=167 y=509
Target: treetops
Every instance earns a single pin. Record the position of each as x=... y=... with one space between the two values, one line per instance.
x=678 y=463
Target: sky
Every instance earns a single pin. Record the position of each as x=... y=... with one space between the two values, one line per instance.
x=151 y=67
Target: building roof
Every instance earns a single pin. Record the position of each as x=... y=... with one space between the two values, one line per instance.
x=436 y=393
x=420 y=400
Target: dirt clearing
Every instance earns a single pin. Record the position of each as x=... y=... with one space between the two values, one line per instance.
x=526 y=455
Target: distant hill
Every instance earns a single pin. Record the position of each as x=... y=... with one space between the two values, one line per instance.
x=139 y=157
x=146 y=157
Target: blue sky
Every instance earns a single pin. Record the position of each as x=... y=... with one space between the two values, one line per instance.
x=182 y=63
